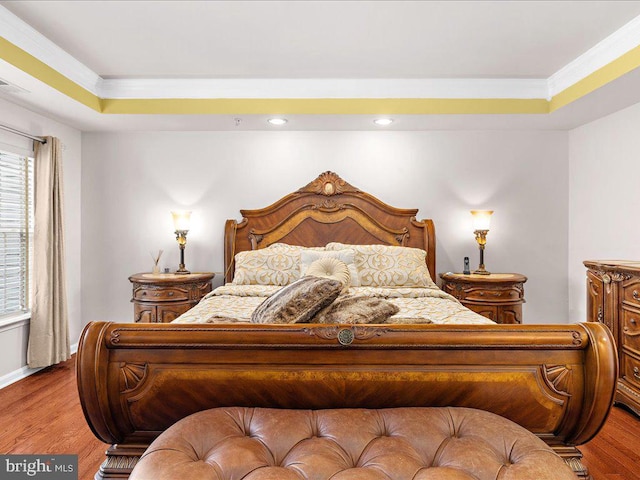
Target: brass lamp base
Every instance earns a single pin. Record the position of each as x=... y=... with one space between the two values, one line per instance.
x=181 y=237
x=481 y=238
x=481 y=272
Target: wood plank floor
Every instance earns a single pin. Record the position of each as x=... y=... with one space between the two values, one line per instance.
x=42 y=414
x=614 y=454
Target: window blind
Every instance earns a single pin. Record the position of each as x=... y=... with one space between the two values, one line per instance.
x=16 y=232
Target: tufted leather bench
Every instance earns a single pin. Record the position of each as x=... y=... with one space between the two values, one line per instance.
x=349 y=444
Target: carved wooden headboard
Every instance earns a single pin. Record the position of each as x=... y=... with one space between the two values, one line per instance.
x=328 y=210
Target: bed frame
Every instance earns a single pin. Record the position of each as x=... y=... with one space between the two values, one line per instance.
x=135 y=380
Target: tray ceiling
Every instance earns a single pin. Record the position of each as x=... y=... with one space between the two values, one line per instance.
x=428 y=64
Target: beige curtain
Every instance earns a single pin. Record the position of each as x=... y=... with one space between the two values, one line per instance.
x=49 y=331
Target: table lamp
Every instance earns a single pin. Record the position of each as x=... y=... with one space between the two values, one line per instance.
x=481 y=223
x=181 y=220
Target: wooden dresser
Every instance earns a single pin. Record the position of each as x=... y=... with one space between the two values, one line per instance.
x=498 y=296
x=161 y=298
x=613 y=298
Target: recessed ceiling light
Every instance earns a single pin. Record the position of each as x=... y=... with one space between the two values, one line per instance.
x=277 y=121
x=383 y=121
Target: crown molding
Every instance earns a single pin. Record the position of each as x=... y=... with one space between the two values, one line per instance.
x=607 y=51
x=270 y=88
x=56 y=68
x=25 y=37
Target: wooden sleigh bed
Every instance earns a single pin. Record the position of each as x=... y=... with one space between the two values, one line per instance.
x=136 y=380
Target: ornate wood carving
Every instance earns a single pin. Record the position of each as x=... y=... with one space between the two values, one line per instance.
x=609 y=277
x=117 y=467
x=403 y=237
x=132 y=374
x=327 y=205
x=328 y=184
x=120 y=462
x=255 y=239
x=575 y=464
x=558 y=377
x=360 y=332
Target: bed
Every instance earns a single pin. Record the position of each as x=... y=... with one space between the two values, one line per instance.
x=389 y=254
x=136 y=380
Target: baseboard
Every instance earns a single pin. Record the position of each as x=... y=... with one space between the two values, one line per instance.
x=25 y=371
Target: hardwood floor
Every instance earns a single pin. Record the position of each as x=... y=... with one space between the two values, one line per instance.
x=614 y=454
x=42 y=414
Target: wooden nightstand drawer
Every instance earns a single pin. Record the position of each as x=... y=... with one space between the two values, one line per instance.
x=496 y=294
x=152 y=294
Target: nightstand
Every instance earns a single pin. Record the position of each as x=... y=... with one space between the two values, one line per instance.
x=497 y=296
x=162 y=297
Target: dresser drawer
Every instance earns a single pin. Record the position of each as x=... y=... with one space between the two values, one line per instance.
x=631 y=293
x=498 y=295
x=631 y=329
x=160 y=294
x=631 y=369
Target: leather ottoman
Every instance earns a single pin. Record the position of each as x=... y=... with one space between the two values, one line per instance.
x=427 y=443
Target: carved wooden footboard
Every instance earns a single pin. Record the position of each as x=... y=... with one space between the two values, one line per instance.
x=136 y=380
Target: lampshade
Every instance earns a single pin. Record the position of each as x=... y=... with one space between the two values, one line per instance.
x=181 y=220
x=481 y=219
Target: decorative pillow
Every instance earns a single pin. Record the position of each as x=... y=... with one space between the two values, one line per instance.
x=357 y=310
x=277 y=264
x=329 y=267
x=307 y=257
x=266 y=267
x=298 y=302
x=388 y=266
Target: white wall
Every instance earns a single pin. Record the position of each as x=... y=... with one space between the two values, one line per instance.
x=132 y=180
x=604 y=194
x=13 y=341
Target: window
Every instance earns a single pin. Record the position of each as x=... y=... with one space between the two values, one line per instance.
x=16 y=233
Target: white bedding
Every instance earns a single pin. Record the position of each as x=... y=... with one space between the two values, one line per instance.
x=236 y=303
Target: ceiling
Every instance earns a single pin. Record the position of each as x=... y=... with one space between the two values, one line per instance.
x=200 y=65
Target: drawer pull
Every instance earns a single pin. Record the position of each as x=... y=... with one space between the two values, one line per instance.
x=636 y=373
x=632 y=321
x=171 y=294
x=636 y=295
